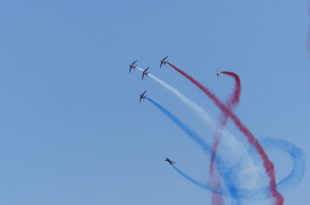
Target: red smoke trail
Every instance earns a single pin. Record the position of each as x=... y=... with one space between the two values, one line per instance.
x=269 y=167
x=214 y=175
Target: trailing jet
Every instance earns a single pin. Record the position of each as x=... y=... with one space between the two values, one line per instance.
x=169 y=161
x=132 y=66
x=218 y=73
x=142 y=96
x=163 y=61
x=145 y=72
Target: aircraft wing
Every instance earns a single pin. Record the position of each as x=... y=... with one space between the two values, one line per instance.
x=129 y=69
x=134 y=62
x=142 y=76
x=165 y=58
x=161 y=63
x=143 y=93
x=146 y=69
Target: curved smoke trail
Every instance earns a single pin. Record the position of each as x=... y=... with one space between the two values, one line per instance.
x=231 y=103
x=224 y=165
x=229 y=140
x=268 y=165
x=289 y=182
x=228 y=171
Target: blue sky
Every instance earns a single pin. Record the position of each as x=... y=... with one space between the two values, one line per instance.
x=72 y=129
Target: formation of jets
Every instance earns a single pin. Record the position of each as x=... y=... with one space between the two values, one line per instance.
x=145 y=73
x=143 y=95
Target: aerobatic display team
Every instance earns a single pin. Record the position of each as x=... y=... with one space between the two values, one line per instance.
x=225 y=168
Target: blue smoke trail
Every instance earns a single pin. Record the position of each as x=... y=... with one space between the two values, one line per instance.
x=196 y=138
x=223 y=165
x=291 y=181
x=203 y=185
x=298 y=170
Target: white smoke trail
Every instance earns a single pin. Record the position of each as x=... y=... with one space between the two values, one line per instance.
x=240 y=153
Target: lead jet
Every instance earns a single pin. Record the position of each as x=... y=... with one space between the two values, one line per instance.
x=142 y=96
x=132 y=66
x=169 y=161
x=163 y=61
x=145 y=72
x=218 y=73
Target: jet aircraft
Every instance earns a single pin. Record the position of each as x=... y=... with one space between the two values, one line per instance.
x=132 y=66
x=142 y=96
x=218 y=73
x=145 y=72
x=169 y=161
x=163 y=61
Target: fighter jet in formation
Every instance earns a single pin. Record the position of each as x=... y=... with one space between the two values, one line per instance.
x=145 y=73
x=132 y=66
x=142 y=96
x=163 y=61
x=169 y=161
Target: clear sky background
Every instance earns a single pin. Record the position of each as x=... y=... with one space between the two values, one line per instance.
x=72 y=131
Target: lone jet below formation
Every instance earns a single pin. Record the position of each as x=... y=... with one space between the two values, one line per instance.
x=132 y=66
x=218 y=73
x=169 y=161
x=142 y=96
x=145 y=72
x=163 y=61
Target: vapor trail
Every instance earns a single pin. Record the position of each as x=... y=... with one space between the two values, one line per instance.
x=268 y=165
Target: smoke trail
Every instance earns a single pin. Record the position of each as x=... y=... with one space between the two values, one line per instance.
x=224 y=192
x=223 y=165
x=296 y=175
x=229 y=140
x=203 y=114
x=231 y=103
x=289 y=182
x=195 y=137
x=235 y=97
x=269 y=167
